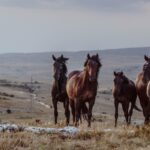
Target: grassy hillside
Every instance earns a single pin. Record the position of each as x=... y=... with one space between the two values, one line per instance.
x=39 y=65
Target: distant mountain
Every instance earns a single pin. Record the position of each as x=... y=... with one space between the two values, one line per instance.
x=20 y=66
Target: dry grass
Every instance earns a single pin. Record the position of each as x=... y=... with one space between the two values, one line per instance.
x=120 y=138
x=96 y=137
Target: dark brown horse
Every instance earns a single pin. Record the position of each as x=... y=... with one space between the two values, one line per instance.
x=59 y=86
x=141 y=86
x=124 y=92
x=82 y=87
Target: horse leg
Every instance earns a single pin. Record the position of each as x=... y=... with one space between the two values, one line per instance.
x=72 y=110
x=81 y=112
x=131 y=111
x=116 y=112
x=67 y=111
x=146 y=120
x=55 y=111
x=146 y=114
x=77 y=112
x=91 y=104
x=125 y=106
x=80 y=116
x=84 y=111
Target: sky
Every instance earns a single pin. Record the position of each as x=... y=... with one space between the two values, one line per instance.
x=73 y=25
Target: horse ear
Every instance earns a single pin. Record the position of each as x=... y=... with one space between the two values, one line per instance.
x=66 y=59
x=146 y=58
x=88 y=56
x=121 y=73
x=97 y=56
x=115 y=74
x=54 y=58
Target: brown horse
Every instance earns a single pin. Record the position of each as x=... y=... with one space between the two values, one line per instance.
x=82 y=88
x=124 y=92
x=59 y=86
x=141 y=86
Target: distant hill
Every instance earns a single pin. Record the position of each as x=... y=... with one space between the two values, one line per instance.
x=20 y=66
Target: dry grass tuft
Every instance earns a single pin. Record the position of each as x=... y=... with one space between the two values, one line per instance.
x=89 y=135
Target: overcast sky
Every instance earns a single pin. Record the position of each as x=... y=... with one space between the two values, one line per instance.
x=70 y=25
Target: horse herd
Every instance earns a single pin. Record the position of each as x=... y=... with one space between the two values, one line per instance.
x=80 y=88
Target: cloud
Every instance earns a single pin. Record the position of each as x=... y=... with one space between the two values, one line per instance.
x=95 y=5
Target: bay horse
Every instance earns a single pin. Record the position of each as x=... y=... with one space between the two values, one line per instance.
x=82 y=87
x=124 y=92
x=58 y=91
x=142 y=88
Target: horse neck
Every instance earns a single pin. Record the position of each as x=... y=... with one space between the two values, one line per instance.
x=85 y=78
x=146 y=78
x=62 y=81
x=86 y=82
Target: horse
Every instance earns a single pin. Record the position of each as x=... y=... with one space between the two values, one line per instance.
x=142 y=87
x=124 y=92
x=58 y=91
x=82 y=87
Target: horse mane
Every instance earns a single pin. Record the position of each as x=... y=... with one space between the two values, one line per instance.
x=97 y=60
x=146 y=69
x=94 y=58
x=65 y=68
x=126 y=80
x=63 y=78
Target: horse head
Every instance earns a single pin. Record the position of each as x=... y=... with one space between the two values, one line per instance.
x=119 y=80
x=59 y=67
x=146 y=68
x=92 y=66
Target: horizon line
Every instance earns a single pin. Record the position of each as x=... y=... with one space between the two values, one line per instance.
x=65 y=51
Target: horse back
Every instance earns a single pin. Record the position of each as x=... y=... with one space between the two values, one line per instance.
x=128 y=91
x=76 y=72
x=140 y=84
x=77 y=89
x=73 y=83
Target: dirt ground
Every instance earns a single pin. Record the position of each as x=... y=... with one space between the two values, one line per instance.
x=26 y=106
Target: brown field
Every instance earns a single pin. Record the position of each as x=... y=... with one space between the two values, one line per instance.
x=102 y=134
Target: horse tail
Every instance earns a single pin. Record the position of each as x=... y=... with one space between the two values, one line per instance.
x=136 y=108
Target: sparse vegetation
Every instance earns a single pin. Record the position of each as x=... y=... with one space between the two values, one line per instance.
x=121 y=138
x=15 y=96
